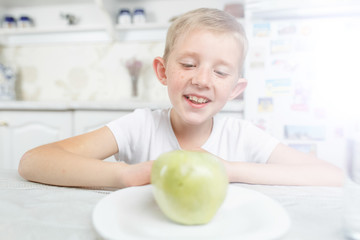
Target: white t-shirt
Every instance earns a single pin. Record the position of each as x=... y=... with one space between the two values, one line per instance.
x=145 y=134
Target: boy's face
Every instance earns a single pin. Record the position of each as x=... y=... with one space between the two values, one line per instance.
x=202 y=74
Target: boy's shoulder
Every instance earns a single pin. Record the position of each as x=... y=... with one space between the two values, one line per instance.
x=145 y=116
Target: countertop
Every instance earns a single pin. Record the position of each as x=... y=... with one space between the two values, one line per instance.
x=125 y=105
x=36 y=211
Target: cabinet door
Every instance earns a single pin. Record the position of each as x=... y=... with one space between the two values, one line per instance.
x=23 y=130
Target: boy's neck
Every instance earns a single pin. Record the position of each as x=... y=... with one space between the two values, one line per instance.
x=191 y=137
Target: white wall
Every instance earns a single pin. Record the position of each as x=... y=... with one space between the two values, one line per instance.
x=83 y=71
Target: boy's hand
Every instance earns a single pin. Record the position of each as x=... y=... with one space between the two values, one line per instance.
x=136 y=175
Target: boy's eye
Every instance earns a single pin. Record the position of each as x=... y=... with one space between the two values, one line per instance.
x=222 y=74
x=188 y=65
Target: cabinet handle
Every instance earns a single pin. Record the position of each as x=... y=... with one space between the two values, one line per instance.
x=3 y=124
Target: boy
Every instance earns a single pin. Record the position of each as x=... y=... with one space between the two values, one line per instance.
x=204 y=53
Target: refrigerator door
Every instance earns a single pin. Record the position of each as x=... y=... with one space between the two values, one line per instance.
x=302 y=73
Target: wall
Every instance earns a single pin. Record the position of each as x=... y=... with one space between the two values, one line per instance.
x=91 y=71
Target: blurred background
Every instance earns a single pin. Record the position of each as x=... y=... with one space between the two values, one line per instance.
x=67 y=67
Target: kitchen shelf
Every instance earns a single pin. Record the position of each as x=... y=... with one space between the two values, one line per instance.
x=140 y=32
x=144 y=26
x=106 y=31
x=62 y=34
x=69 y=29
x=62 y=29
x=105 y=11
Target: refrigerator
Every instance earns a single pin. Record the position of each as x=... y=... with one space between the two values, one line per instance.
x=303 y=74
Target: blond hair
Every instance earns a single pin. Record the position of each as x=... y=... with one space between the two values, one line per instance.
x=213 y=20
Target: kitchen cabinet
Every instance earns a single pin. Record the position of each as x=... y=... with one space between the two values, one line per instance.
x=23 y=130
x=97 y=20
x=50 y=25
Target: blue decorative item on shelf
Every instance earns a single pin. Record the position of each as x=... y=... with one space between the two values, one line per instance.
x=139 y=16
x=124 y=16
x=25 y=21
x=8 y=22
x=7 y=83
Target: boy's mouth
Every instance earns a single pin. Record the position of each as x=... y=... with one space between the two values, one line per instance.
x=197 y=100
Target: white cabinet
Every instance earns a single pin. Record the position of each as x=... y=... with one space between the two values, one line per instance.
x=23 y=130
x=97 y=20
x=50 y=25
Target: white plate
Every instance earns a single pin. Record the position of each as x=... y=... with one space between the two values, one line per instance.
x=132 y=213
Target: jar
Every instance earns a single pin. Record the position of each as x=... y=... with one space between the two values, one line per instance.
x=139 y=16
x=124 y=16
x=25 y=21
x=9 y=22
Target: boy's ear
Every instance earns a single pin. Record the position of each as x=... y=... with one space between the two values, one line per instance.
x=160 y=70
x=238 y=88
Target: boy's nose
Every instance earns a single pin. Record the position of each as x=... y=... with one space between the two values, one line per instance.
x=202 y=78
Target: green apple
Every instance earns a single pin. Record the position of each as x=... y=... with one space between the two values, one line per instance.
x=189 y=187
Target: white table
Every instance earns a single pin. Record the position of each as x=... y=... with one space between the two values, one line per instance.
x=36 y=211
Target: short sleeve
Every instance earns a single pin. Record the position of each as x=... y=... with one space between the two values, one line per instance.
x=130 y=131
x=235 y=139
x=258 y=144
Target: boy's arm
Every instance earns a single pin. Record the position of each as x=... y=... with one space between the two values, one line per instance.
x=286 y=166
x=76 y=162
